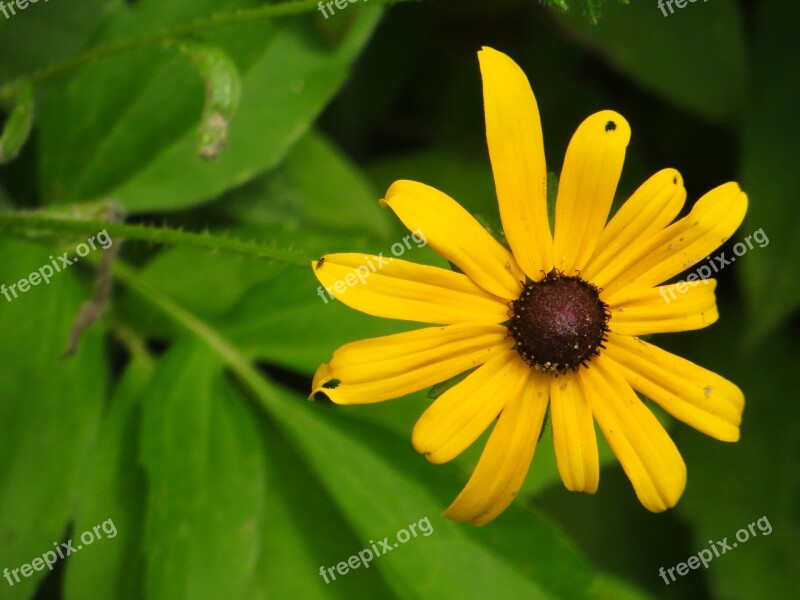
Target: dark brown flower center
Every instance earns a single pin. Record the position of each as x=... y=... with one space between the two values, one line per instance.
x=559 y=323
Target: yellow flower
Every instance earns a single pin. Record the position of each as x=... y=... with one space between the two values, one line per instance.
x=554 y=322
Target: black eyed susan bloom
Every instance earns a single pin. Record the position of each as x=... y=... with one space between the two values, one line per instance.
x=554 y=322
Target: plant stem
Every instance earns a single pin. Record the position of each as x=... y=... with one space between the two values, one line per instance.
x=34 y=226
x=233 y=359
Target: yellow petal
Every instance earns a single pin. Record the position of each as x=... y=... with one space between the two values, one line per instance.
x=589 y=178
x=516 y=149
x=690 y=393
x=712 y=221
x=395 y=365
x=649 y=210
x=505 y=460
x=457 y=236
x=460 y=415
x=644 y=449
x=573 y=435
x=397 y=289
x=668 y=308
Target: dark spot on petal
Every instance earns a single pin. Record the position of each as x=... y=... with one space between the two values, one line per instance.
x=611 y=126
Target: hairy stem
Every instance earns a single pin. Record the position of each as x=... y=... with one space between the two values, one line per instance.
x=36 y=226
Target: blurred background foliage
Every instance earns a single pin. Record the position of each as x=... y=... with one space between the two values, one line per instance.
x=183 y=418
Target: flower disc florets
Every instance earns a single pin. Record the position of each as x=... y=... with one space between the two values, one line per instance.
x=559 y=323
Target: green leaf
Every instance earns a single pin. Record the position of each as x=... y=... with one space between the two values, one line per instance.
x=150 y=164
x=519 y=553
x=606 y=587
x=114 y=489
x=733 y=485
x=315 y=197
x=770 y=143
x=58 y=31
x=18 y=126
x=286 y=321
x=304 y=530
x=694 y=58
x=5 y=201
x=50 y=409
x=204 y=464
